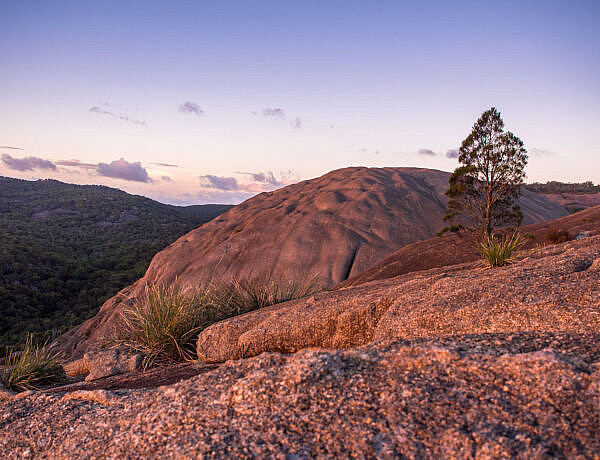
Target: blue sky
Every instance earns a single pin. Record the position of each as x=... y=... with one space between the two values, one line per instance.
x=241 y=97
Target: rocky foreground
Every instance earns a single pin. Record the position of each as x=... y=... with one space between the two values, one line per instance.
x=490 y=396
x=457 y=362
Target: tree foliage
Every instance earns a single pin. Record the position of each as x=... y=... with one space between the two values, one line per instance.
x=484 y=190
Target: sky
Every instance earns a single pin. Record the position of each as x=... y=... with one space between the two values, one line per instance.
x=192 y=102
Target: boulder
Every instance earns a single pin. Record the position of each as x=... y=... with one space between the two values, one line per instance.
x=113 y=361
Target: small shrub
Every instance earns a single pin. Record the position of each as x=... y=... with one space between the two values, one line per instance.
x=32 y=368
x=556 y=236
x=529 y=236
x=501 y=251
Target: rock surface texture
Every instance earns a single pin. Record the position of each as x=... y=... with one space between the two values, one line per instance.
x=335 y=226
x=492 y=396
x=555 y=288
x=460 y=362
x=453 y=249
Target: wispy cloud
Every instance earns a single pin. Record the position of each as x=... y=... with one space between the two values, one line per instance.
x=10 y=147
x=191 y=107
x=452 y=153
x=76 y=164
x=264 y=178
x=364 y=151
x=275 y=112
x=122 y=169
x=297 y=123
x=166 y=178
x=541 y=152
x=426 y=152
x=166 y=165
x=26 y=164
x=219 y=182
x=117 y=116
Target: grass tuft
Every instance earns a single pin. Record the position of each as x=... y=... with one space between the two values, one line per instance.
x=32 y=368
x=502 y=250
x=164 y=323
x=241 y=295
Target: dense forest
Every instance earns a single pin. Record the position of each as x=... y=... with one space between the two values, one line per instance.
x=65 y=249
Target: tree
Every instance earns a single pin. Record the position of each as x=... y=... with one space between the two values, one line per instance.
x=484 y=190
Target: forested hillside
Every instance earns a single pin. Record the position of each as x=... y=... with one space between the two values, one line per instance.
x=65 y=249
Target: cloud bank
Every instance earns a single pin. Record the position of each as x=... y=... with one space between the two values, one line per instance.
x=219 y=182
x=122 y=169
x=426 y=152
x=26 y=164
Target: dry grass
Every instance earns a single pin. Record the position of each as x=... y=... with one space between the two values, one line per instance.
x=241 y=295
x=31 y=368
x=164 y=323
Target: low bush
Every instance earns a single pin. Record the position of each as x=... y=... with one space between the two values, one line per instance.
x=164 y=323
x=556 y=236
x=498 y=251
x=31 y=368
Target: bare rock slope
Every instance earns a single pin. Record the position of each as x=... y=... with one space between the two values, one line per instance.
x=335 y=226
x=555 y=288
x=453 y=249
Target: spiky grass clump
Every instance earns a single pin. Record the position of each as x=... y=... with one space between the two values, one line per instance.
x=32 y=368
x=241 y=295
x=502 y=250
x=164 y=323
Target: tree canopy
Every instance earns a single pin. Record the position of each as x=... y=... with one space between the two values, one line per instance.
x=65 y=249
x=484 y=189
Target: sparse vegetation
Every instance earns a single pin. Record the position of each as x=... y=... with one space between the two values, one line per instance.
x=241 y=295
x=556 y=236
x=32 y=367
x=165 y=322
x=499 y=251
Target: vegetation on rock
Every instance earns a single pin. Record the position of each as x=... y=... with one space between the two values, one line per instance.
x=164 y=323
x=32 y=367
x=501 y=250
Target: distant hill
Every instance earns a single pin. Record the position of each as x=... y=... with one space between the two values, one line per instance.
x=335 y=226
x=65 y=249
x=573 y=197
